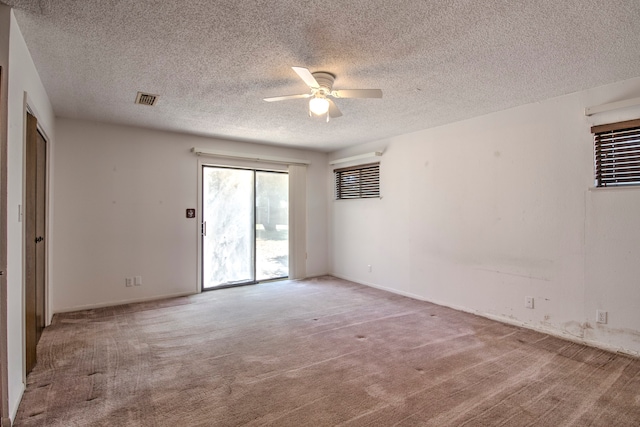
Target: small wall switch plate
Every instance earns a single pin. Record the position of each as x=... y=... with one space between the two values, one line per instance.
x=137 y=280
x=369 y=268
x=601 y=316
x=128 y=282
x=528 y=302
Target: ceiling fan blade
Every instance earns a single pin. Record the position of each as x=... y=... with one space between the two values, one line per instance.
x=334 y=111
x=306 y=75
x=357 y=93
x=282 y=98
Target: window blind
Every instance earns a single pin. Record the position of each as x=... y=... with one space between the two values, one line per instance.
x=617 y=154
x=358 y=182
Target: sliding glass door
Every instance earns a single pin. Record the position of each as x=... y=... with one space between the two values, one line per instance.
x=272 y=225
x=245 y=233
x=227 y=231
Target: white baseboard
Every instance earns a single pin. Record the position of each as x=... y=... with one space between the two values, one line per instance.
x=122 y=302
x=146 y=299
x=538 y=328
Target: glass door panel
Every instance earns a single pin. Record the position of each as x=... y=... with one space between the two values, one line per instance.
x=228 y=227
x=272 y=225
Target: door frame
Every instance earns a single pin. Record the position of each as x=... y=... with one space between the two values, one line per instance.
x=28 y=109
x=47 y=203
x=4 y=380
x=34 y=252
x=234 y=164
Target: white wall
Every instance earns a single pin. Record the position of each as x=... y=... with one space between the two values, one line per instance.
x=121 y=194
x=23 y=79
x=481 y=213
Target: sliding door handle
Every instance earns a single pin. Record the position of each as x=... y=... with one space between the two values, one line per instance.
x=204 y=228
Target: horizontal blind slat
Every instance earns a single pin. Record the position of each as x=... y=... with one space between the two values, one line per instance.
x=620 y=173
x=617 y=161
x=621 y=149
x=618 y=164
x=618 y=141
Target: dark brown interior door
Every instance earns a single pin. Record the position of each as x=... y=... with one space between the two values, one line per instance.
x=36 y=155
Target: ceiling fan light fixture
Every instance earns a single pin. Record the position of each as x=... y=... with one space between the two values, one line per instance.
x=318 y=106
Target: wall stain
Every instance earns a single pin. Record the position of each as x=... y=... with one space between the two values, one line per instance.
x=575 y=329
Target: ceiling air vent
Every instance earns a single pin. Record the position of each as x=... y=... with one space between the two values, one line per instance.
x=146 y=99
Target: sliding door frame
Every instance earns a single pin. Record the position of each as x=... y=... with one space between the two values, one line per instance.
x=230 y=164
x=253 y=281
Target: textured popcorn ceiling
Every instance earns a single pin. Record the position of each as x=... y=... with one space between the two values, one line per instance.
x=212 y=62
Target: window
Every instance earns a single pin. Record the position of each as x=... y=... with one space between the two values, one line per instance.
x=617 y=154
x=358 y=182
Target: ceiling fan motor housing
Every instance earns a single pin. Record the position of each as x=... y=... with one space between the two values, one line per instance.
x=325 y=81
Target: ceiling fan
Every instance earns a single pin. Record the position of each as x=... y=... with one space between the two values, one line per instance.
x=321 y=84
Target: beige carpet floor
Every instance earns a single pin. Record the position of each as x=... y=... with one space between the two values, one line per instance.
x=319 y=352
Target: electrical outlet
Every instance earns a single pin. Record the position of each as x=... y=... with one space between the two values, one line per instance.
x=369 y=267
x=137 y=280
x=128 y=282
x=601 y=316
x=528 y=302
